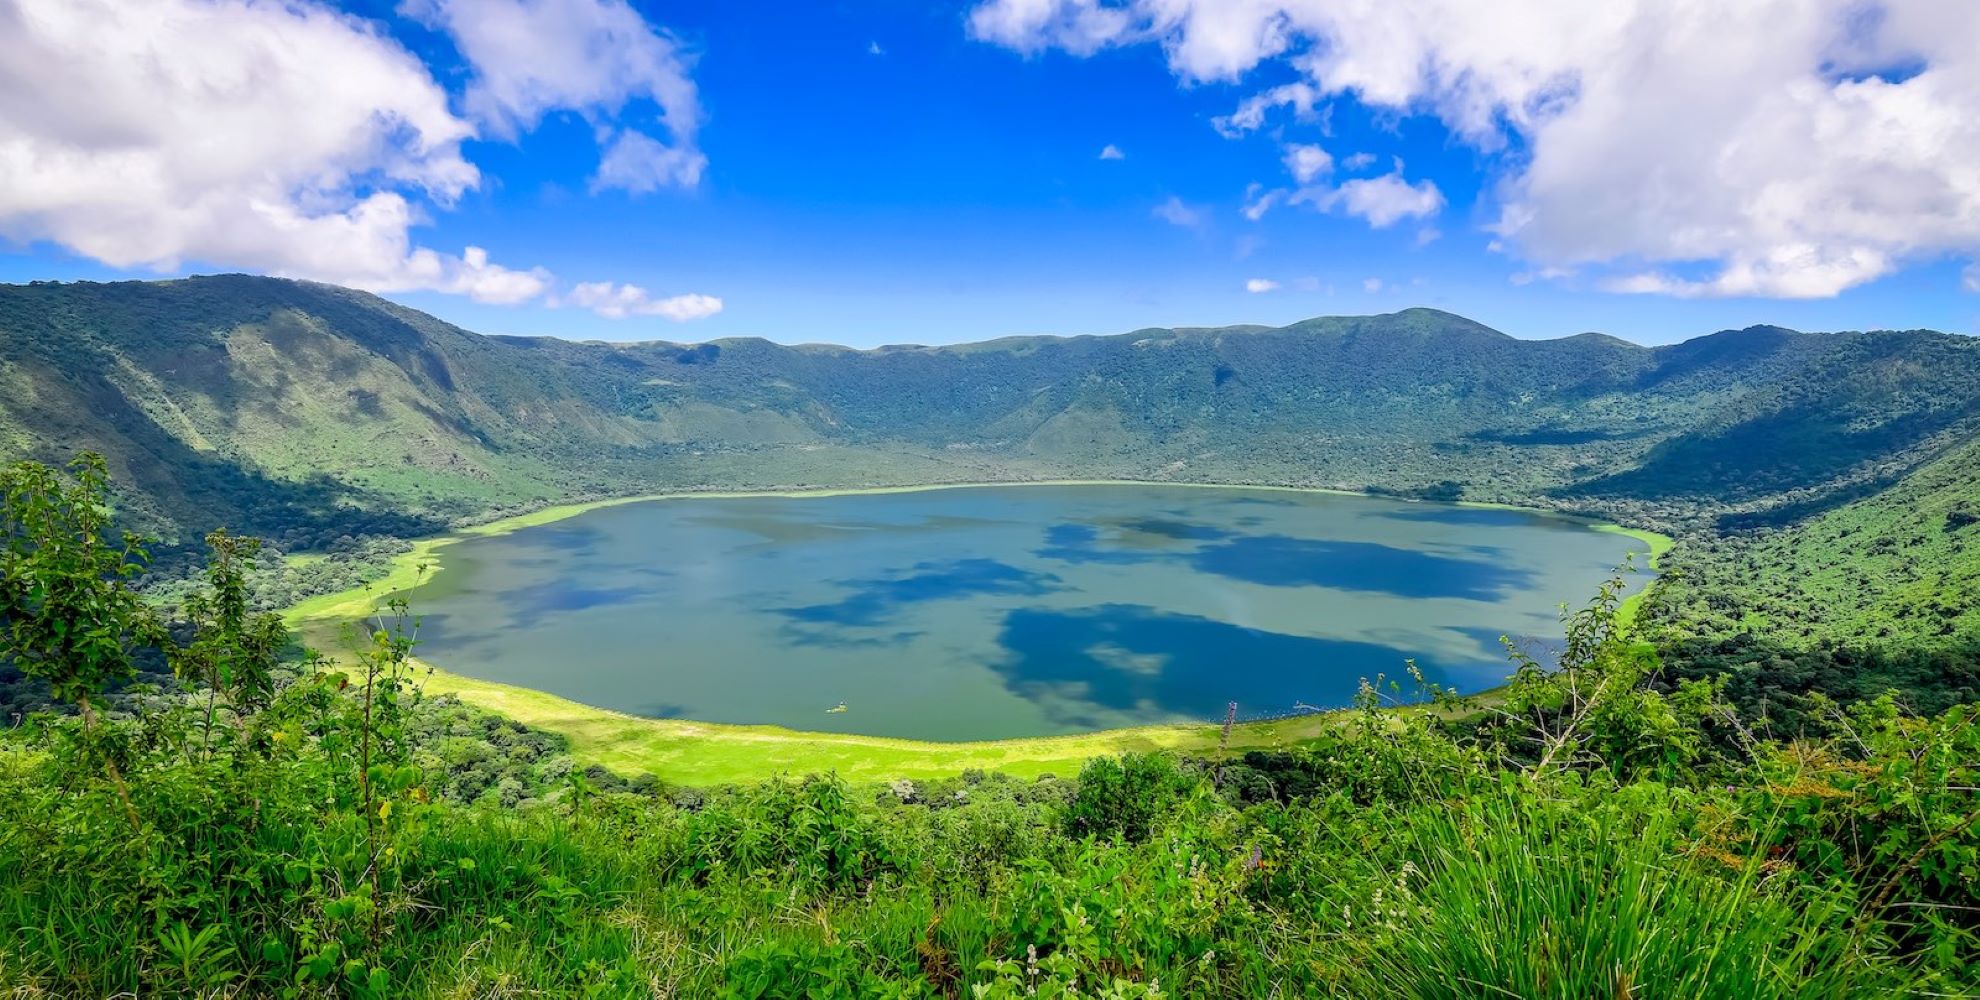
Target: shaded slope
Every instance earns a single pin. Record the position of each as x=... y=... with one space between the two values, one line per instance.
x=1900 y=568
x=306 y=412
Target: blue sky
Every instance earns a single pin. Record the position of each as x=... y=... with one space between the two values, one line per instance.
x=889 y=172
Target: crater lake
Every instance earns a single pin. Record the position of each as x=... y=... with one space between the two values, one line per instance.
x=1006 y=611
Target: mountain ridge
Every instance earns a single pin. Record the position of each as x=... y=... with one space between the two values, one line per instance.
x=1402 y=313
x=314 y=414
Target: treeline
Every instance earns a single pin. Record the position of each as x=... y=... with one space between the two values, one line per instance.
x=288 y=409
x=1896 y=570
x=278 y=580
x=1598 y=829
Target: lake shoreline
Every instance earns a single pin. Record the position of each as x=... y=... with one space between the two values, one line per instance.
x=619 y=740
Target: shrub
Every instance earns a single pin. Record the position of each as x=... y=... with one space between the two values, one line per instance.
x=1123 y=796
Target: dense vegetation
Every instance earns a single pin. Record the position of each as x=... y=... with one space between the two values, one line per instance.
x=1899 y=568
x=333 y=423
x=1760 y=785
x=314 y=828
x=311 y=394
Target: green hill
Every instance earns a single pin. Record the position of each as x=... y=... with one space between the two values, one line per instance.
x=1899 y=567
x=312 y=414
x=1678 y=818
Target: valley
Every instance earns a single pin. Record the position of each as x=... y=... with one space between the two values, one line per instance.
x=1806 y=500
x=319 y=418
x=989 y=500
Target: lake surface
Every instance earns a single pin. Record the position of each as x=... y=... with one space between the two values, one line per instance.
x=995 y=612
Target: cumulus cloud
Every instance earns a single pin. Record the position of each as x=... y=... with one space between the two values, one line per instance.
x=1790 y=148
x=639 y=163
x=599 y=58
x=1112 y=152
x=286 y=138
x=1307 y=162
x=1387 y=199
x=143 y=135
x=1382 y=201
x=614 y=301
x=1177 y=212
x=1260 y=285
x=1371 y=285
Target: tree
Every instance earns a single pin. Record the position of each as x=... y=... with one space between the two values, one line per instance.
x=234 y=650
x=67 y=612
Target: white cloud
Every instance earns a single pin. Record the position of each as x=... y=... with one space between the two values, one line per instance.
x=1358 y=161
x=282 y=137
x=1177 y=212
x=1112 y=152
x=1371 y=285
x=1078 y=26
x=1797 y=272
x=619 y=301
x=1258 y=201
x=639 y=164
x=874 y=49
x=1540 y=274
x=1383 y=201
x=1306 y=161
x=599 y=58
x=1972 y=278
x=1754 y=144
x=1251 y=112
x=1260 y=285
x=474 y=276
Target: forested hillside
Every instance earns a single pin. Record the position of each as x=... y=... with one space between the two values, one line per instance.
x=1770 y=798
x=320 y=397
x=1899 y=567
x=328 y=420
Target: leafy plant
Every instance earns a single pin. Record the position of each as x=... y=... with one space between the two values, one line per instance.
x=67 y=615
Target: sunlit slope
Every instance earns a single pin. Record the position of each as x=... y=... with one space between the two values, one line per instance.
x=1901 y=567
x=305 y=410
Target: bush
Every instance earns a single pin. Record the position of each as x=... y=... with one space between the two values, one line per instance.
x=1123 y=796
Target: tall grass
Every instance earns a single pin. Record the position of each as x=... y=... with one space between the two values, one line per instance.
x=1502 y=896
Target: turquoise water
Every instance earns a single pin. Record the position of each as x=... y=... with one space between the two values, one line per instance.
x=997 y=612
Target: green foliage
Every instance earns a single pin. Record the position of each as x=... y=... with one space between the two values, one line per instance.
x=1504 y=895
x=337 y=424
x=1781 y=690
x=1600 y=828
x=1122 y=797
x=67 y=616
x=233 y=651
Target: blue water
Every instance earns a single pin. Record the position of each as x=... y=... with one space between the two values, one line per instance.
x=998 y=612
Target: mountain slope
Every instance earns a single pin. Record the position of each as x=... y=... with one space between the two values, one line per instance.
x=1900 y=567
x=306 y=413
